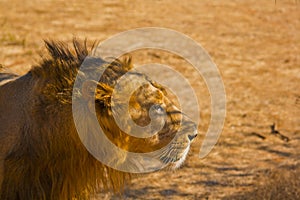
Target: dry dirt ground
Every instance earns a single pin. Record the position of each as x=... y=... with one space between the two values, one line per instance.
x=256 y=46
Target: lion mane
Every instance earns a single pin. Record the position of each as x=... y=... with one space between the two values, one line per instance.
x=41 y=154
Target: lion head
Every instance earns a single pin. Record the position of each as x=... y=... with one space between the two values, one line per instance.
x=47 y=158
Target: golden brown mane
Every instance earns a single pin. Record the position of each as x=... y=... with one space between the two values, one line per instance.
x=62 y=67
x=51 y=143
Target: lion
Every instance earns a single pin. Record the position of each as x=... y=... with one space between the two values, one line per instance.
x=41 y=153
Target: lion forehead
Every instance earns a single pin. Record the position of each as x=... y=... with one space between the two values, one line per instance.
x=147 y=93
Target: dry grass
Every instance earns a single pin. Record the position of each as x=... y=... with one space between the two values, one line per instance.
x=275 y=184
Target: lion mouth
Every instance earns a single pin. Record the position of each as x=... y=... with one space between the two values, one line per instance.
x=179 y=162
x=174 y=159
x=177 y=152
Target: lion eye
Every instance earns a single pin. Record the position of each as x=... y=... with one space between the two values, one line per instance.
x=158 y=108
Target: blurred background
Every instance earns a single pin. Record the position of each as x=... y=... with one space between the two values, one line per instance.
x=256 y=46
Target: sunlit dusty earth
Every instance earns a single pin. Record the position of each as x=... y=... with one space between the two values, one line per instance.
x=256 y=46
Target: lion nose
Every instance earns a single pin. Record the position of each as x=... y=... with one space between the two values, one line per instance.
x=191 y=137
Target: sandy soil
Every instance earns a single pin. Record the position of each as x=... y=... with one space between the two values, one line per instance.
x=256 y=46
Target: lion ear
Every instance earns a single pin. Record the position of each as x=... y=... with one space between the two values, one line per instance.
x=92 y=90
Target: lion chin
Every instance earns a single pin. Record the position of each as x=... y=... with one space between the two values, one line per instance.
x=182 y=159
x=178 y=163
x=41 y=153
